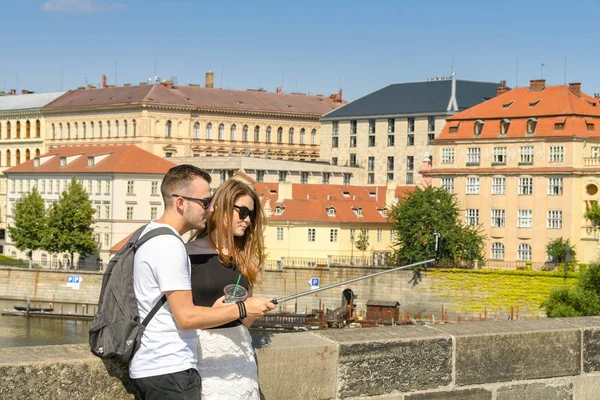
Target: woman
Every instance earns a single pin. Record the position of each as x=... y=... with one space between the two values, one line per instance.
x=228 y=248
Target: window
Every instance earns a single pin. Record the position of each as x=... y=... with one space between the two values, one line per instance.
x=498 y=185
x=129 y=187
x=554 y=219
x=91 y=130
x=291 y=135
x=280 y=135
x=410 y=163
x=76 y=126
x=555 y=186
x=499 y=156
x=134 y=123
x=524 y=252
x=153 y=212
x=448 y=185
x=353 y=125
x=391 y=125
x=472 y=185
x=311 y=234
x=409 y=178
x=334 y=161
x=98 y=187
x=352 y=141
x=209 y=130
x=390 y=163
x=100 y=129
x=334 y=142
x=371 y=140
x=326 y=176
x=410 y=139
x=260 y=176
x=531 y=124
x=353 y=160
x=498 y=218
x=526 y=155
x=333 y=235
x=313 y=136
x=268 y=135
x=302 y=136
x=280 y=234
x=107 y=187
x=525 y=186
x=525 y=219
x=379 y=235
x=107 y=211
x=222 y=132
x=504 y=125
x=472 y=217
x=282 y=176
x=430 y=124
x=304 y=177
x=168 y=128
x=125 y=128
x=116 y=129
x=411 y=124
x=473 y=156
x=391 y=140
x=447 y=156
x=335 y=129
x=60 y=130
x=91 y=161
x=347 y=178
x=371 y=164
x=371 y=126
x=129 y=212
x=43 y=187
x=497 y=251
x=90 y=186
x=233 y=132
x=154 y=188
x=370 y=178
x=107 y=239
x=556 y=154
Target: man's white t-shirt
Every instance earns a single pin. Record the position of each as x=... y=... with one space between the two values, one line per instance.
x=162 y=265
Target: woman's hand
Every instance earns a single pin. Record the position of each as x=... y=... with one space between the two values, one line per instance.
x=220 y=302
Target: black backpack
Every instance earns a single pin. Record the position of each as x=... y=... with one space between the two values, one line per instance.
x=117 y=328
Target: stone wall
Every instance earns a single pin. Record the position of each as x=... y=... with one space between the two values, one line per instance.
x=548 y=359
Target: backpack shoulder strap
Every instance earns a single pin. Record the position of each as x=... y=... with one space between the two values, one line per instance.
x=155 y=309
x=154 y=233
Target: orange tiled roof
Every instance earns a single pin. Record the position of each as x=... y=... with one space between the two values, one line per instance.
x=120 y=245
x=126 y=158
x=197 y=98
x=552 y=105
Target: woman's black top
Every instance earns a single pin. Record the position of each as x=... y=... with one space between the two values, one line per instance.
x=209 y=277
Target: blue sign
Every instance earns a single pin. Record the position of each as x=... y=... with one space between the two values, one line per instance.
x=76 y=279
x=314 y=282
x=70 y=279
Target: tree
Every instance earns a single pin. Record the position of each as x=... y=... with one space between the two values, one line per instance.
x=583 y=300
x=557 y=249
x=70 y=223
x=362 y=242
x=29 y=223
x=424 y=211
x=593 y=214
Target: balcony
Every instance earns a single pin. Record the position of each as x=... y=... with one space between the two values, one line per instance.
x=591 y=161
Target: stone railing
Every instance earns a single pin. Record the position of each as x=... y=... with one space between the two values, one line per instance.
x=534 y=359
x=591 y=162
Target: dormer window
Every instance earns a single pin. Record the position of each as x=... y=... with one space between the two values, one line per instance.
x=454 y=127
x=504 y=125
x=358 y=212
x=589 y=124
x=534 y=103
x=531 y=124
x=383 y=212
x=346 y=194
x=331 y=212
x=278 y=210
x=559 y=124
x=478 y=127
x=63 y=161
x=507 y=104
x=91 y=161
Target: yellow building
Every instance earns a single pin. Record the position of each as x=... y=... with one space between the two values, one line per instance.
x=525 y=166
x=388 y=132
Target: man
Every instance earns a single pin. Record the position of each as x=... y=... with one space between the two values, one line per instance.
x=164 y=367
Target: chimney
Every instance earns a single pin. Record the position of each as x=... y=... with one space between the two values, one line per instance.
x=168 y=84
x=12 y=92
x=597 y=96
x=426 y=166
x=575 y=88
x=537 y=84
x=104 y=84
x=501 y=88
x=340 y=95
x=390 y=193
x=210 y=80
x=90 y=86
x=279 y=89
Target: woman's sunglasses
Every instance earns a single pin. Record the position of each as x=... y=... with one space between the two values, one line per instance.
x=204 y=202
x=244 y=212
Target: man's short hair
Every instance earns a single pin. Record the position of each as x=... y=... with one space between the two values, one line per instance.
x=178 y=179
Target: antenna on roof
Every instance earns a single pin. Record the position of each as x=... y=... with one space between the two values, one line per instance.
x=543 y=70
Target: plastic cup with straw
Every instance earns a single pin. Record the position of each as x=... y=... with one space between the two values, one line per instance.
x=234 y=293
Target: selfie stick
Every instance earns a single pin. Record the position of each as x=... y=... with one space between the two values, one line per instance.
x=438 y=253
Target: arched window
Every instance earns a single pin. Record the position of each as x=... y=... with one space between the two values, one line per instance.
x=27 y=155
x=197 y=130
x=168 y=128
x=313 y=136
x=68 y=130
x=268 y=135
x=302 y=136
x=107 y=129
x=8 y=133
x=233 y=132
x=18 y=135
x=27 y=129
x=245 y=133
x=209 y=130
x=60 y=130
x=524 y=252
x=100 y=129
x=116 y=128
x=44 y=260
x=8 y=162
x=257 y=133
x=76 y=130
x=221 y=132
x=125 y=128
x=38 y=129
x=54 y=262
x=497 y=251
x=91 y=130
x=37 y=152
x=83 y=130
x=53 y=128
x=18 y=158
x=134 y=128
x=291 y=136
x=280 y=135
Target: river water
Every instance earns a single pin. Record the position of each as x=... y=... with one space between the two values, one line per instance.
x=20 y=331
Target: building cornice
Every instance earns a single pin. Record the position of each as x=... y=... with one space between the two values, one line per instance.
x=380 y=116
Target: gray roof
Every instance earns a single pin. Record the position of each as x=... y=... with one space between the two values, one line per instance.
x=383 y=303
x=27 y=101
x=431 y=97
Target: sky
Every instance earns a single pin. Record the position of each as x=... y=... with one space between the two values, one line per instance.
x=308 y=46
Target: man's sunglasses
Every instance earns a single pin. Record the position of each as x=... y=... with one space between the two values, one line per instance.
x=244 y=212
x=205 y=202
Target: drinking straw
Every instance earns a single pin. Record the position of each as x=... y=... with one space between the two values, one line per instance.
x=236 y=286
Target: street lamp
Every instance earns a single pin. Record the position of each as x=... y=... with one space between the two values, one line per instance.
x=352 y=246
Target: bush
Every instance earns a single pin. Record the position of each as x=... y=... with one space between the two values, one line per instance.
x=584 y=300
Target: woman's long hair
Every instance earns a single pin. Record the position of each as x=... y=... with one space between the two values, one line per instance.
x=246 y=252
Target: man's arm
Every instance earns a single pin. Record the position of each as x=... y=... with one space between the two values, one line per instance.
x=189 y=316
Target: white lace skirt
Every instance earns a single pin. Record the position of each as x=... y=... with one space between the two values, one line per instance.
x=227 y=365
